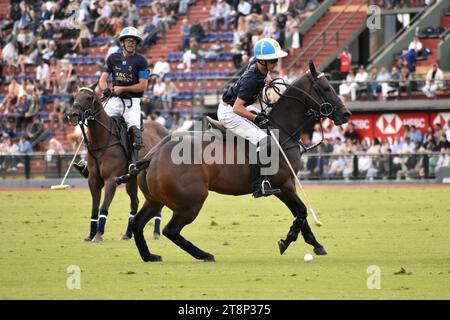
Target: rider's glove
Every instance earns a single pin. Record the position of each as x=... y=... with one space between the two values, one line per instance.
x=262 y=120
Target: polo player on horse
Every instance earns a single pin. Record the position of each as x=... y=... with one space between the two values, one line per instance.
x=130 y=74
x=234 y=112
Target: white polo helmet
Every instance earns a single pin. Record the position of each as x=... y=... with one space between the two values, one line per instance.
x=130 y=32
x=268 y=49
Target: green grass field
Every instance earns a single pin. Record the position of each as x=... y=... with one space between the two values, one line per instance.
x=392 y=228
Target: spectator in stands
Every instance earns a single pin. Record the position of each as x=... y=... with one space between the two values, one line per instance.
x=434 y=81
x=220 y=12
x=381 y=78
x=345 y=62
x=243 y=9
x=170 y=93
x=188 y=56
x=361 y=79
x=278 y=7
x=75 y=138
x=405 y=83
x=158 y=91
x=54 y=76
x=348 y=87
x=416 y=45
x=35 y=131
x=104 y=11
x=41 y=72
x=161 y=68
x=350 y=133
x=24 y=145
x=10 y=54
x=12 y=161
x=212 y=54
x=393 y=84
x=183 y=7
x=82 y=40
x=197 y=31
x=55 y=147
x=57 y=115
x=185 y=34
x=20 y=108
x=447 y=131
x=415 y=134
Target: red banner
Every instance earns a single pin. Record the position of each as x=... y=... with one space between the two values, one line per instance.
x=388 y=125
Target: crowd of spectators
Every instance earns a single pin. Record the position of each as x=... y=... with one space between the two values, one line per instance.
x=401 y=157
x=45 y=34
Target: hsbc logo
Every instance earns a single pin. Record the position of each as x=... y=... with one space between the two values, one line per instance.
x=389 y=123
x=361 y=124
x=441 y=118
x=417 y=122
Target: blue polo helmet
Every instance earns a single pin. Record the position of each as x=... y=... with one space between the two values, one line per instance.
x=268 y=49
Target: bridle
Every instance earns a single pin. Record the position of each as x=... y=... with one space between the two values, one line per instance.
x=322 y=109
x=91 y=113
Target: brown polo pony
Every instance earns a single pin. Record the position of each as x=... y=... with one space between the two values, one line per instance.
x=184 y=187
x=107 y=158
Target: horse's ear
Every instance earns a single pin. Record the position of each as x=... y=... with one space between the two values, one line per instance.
x=312 y=68
x=94 y=86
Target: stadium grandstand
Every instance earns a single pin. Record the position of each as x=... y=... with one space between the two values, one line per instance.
x=387 y=59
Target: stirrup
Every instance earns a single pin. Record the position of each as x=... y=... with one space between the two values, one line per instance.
x=265 y=190
x=131 y=167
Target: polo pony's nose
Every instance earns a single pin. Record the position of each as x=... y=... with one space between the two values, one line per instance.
x=347 y=115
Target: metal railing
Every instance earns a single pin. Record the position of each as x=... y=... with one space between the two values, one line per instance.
x=322 y=34
x=314 y=166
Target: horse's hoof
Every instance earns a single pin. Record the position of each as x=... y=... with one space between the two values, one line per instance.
x=125 y=237
x=209 y=258
x=88 y=239
x=320 y=251
x=153 y=258
x=282 y=246
x=97 y=239
x=156 y=236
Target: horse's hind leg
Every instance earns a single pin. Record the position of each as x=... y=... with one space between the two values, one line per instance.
x=132 y=190
x=148 y=211
x=173 y=229
x=290 y=198
x=96 y=191
x=110 y=190
x=156 y=229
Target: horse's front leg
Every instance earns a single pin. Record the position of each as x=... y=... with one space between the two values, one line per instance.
x=132 y=190
x=110 y=190
x=290 y=198
x=95 y=186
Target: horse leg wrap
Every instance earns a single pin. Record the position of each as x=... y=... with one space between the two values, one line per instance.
x=130 y=219
x=308 y=235
x=93 y=230
x=186 y=245
x=156 y=229
x=102 y=221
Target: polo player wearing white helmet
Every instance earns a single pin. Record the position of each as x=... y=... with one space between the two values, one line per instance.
x=234 y=113
x=130 y=74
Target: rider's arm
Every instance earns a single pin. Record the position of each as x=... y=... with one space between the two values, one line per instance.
x=138 y=87
x=239 y=109
x=103 y=82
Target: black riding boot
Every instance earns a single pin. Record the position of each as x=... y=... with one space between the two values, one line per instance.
x=136 y=140
x=81 y=166
x=261 y=185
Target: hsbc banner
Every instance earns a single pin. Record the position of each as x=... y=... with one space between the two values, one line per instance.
x=388 y=125
x=439 y=117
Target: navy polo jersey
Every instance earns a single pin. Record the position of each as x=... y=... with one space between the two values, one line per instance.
x=247 y=87
x=127 y=71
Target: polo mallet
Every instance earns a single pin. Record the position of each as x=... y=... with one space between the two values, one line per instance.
x=316 y=220
x=63 y=186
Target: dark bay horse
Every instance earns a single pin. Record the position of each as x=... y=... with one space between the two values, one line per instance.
x=107 y=158
x=184 y=187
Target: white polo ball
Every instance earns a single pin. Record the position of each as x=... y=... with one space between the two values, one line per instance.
x=308 y=257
